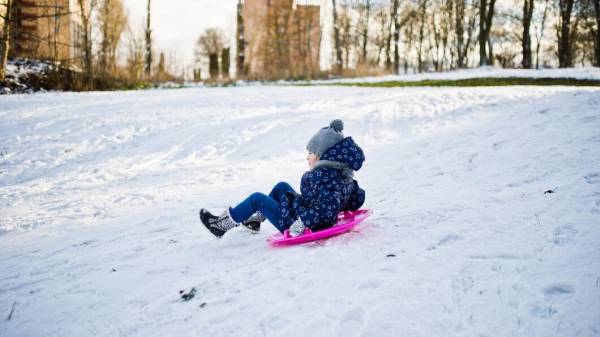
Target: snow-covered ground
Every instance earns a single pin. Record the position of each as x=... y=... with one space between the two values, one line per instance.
x=99 y=194
x=590 y=73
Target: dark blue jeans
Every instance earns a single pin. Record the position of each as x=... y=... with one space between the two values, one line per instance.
x=268 y=205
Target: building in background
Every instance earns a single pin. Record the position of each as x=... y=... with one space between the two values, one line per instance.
x=281 y=39
x=43 y=29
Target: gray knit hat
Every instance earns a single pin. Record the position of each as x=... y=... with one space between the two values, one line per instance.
x=326 y=138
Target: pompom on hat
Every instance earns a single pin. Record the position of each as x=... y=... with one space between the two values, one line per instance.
x=326 y=137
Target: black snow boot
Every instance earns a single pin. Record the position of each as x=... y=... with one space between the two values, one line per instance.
x=217 y=225
x=253 y=222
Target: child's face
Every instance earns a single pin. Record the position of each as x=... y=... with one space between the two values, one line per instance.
x=312 y=159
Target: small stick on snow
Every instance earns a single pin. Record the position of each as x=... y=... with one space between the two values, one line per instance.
x=12 y=309
x=538 y=220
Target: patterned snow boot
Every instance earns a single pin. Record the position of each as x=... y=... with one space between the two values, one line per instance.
x=253 y=222
x=217 y=225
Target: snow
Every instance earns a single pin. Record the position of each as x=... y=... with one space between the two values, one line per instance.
x=24 y=75
x=590 y=73
x=99 y=194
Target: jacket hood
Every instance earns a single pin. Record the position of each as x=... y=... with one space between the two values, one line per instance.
x=347 y=152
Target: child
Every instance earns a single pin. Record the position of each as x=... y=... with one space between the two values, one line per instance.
x=326 y=189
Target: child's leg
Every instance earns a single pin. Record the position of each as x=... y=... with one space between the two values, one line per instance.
x=280 y=189
x=268 y=206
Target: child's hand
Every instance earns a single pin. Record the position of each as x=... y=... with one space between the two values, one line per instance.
x=297 y=228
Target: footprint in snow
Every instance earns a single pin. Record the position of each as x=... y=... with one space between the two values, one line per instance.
x=592 y=178
x=589 y=119
x=445 y=240
x=463 y=283
x=564 y=235
x=559 y=292
x=542 y=311
x=351 y=323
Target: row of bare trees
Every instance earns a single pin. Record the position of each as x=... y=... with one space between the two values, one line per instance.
x=103 y=45
x=447 y=34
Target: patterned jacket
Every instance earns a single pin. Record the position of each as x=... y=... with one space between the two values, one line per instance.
x=327 y=189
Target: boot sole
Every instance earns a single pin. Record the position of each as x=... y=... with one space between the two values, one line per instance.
x=252 y=230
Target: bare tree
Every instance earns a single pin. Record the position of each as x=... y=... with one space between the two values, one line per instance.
x=388 y=45
x=421 y=37
x=174 y=66
x=5 y=46
x=86 y=8
x=161 y=68
x=209 y=45
x=526 y=40
x=363 y=28
x=336 y=38
x=409 y=34
x=135 y=55
x=396 y=21
x=225 y=62
x=380 y=39
x=347 y=38
x=241 y=41
x=213 y=66
x=212 y=41
x=564 y=34
x=597 y=33
x=584 y=32
x=539 y=35
x=486 y=14
x=112 y=19
x=440 y=23
x=464 y=26
x=148 y=41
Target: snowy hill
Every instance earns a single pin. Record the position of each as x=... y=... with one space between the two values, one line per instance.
x=582 y=73
x=100 y=192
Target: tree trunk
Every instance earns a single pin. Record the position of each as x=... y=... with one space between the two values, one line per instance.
x=527 y=14
x=486 y=14
x=539 y=38
x=225 y=63
x=366 y=30
x=564 y=38
x=5 y=39
x=420 y=63
x=396 y=37
x=597 y=41
x=336 y=37
x=85 y=14
x=459 y=8
x=241 y=42
x=213 y=66
x=388 y=48
x=490 y=51
x=105 y=38
x=148 y=68
x=483 y=60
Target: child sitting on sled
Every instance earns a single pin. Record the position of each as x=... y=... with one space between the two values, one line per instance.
x=326 y=189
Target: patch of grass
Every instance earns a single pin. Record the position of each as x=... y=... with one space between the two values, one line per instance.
x=476 y=82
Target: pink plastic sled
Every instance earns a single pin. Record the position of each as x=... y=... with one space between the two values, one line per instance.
x=346 y=221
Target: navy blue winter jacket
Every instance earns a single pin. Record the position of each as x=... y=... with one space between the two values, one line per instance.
x=326 y=191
